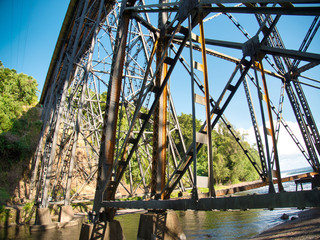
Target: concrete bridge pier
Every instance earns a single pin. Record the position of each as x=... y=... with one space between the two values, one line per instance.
x=44 y=221
x=66 y=214
x=160 y=225
x=113 y=231
x=43 y=216
x=67 y=218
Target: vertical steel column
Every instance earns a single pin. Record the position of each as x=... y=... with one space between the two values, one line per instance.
x=279 y=115
x=160 y=117
x=271 y=186
x=314 y=133
x=73 y=148
x=44 y=198
x=256 y=130
x=65 y=82
x=108 y=139
x=46 y=116
x=194 y=131
x=208 y=112
x=274 y=142
x=302 y=124
x=81 y=105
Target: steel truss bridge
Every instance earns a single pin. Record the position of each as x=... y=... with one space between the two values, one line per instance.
x=110 y=123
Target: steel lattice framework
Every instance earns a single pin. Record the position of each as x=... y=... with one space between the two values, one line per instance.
x=110 y=122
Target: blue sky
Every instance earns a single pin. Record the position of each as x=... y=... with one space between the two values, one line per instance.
x=28 y=34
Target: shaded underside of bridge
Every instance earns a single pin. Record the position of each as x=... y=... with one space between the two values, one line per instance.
x=93 y=82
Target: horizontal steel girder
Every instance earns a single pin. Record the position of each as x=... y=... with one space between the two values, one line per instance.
x=299 y=200
x=282 y=10
x=306 y=56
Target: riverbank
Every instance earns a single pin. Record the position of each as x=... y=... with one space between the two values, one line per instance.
x=306 y=226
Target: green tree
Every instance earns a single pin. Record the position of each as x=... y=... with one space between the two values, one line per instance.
x=230 y=165
x=17 y=92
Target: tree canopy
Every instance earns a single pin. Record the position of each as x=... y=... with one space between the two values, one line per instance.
x=230 y=165
x=17 y=92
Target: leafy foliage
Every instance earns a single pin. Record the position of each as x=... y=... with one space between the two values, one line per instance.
x=229 y=156
x=230 y=165
x=16 y=92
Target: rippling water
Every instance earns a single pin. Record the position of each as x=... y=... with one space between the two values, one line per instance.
x=196 y=224
x=23 y=232
x=216 y=224
x=229 y=224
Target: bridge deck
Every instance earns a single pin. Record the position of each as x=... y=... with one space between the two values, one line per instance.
x=301 y=199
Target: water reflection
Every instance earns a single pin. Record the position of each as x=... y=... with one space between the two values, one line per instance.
x=229 y=224
x=129 y=224
x=23 y=232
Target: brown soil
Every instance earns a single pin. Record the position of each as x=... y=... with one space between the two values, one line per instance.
x=305 y=227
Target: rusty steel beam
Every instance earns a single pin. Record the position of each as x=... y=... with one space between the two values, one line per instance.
x=159 y=153
x=108 y=140
x=274 y=142
x=208 y=111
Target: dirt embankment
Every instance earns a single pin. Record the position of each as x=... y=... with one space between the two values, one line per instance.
x=304 y=227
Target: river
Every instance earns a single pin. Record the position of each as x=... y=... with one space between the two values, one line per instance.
x=196 y=224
